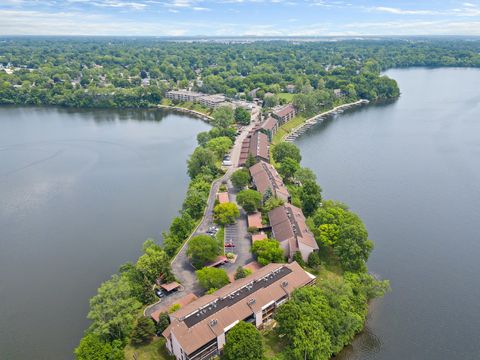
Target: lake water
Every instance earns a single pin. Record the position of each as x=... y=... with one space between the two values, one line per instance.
x=411 y=170
x=79 y=193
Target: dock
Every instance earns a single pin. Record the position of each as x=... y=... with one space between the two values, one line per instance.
x=302 y=128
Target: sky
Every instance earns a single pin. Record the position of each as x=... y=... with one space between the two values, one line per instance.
x=239 y=17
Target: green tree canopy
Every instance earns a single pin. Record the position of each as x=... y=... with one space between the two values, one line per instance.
x=243 y=342
x=223 y=117
x=201 y=161
x=225 y=213
x=113 y=309
x=310 y=196
x=335 y=226
x=91 y=347
x=143 y=331
x=240 y=178
x=268 y=251
x=154 y=262
x=288 y=168
x=241 y=273
x=219 y=146
x=211 y=277
x=305 y=174
x=242 y=116
x=249 y=200
x=285 y=150
x=202 y=249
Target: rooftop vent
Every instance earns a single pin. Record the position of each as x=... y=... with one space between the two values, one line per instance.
x=284 y=283
x=213 y=322
x=251 y=301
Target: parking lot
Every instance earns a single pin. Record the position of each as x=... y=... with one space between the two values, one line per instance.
x=231 y=238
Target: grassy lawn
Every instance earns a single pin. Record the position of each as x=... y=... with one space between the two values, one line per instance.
x=273 y=344
x=287 y=96
x=154 y=351
x=287 y=127
x=220 y=237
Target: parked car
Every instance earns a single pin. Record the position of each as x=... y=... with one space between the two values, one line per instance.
x=227 y=163
x=159 y=293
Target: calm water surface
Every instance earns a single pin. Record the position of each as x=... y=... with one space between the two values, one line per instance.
x=411 y=170
x=79 y=193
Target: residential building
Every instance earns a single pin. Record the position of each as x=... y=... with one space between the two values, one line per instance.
x=198 y=330
x=183 y=95
x=284 y=113
x=212 y=101
x=270 y=127
x=266 y=178
x=290 y=88
x=256 y=144
x=338 y=92
x=291 y=231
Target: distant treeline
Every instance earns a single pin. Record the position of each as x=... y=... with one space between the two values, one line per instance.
x=82 y=72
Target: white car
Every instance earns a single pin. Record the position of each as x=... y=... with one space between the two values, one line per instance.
x=227 y=163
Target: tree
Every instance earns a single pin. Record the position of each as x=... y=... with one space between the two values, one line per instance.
x=202 y=138
x=288 y=168
x=201 y=161
x=286 y=150
x=113 y=309
x=202 y=249
x=240 y=178
x=242 y=273
x=335 y=226
x=223 y=117
x=219 y=146
x=310 y=196
x=182 y=226
x=251 y=160
x=243 y=342
x=249 y=200
x=211 y=277
x=143 y=332
x=268 y=251
x=242 y=116
x=225 y=213
x=162 y=323
x=305 y=174
x=154 y=262
x=310 y=341
x=91 y=347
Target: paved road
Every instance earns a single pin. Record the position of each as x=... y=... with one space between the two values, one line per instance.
x=183 y=270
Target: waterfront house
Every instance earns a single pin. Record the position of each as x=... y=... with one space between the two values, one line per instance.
x=255 y=144
x=198 y=330
x=284 y=113
x=270 y=127
x=291 y=231
x=266 y=180
x=183 y=95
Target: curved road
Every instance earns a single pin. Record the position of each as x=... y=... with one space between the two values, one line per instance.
x=183 y=270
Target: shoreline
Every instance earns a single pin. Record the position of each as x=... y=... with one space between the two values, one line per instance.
x=195 y=113
x=307 y=124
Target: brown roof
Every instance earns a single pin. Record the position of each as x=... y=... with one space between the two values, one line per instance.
x=187 y=299
x=287 y=109
x=259 y=236
x=266 y=177
x=252 y=266
x=288 y=224
x=223 y=197
x=255 y=220
x=269 y=124
x=203 y=320
x=259 y=145
x=170 y=286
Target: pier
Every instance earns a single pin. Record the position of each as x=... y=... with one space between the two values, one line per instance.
x=302 y=128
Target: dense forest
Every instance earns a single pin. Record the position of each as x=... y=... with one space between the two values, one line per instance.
x=127 y=72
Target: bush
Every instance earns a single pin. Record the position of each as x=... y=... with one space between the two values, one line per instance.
x=242 y=273
x=268 y=251
x=174 y=308
x=143 y=332
x=212 y=278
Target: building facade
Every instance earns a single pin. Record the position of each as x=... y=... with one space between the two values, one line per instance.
x=289 y=228
x=266 y=179
x=183 y=95
x=198 y=331
x=284 y=113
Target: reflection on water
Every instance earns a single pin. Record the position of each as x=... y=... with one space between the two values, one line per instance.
x=411 y=170
x=79 y=193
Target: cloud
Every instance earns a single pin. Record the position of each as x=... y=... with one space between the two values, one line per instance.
x=398 y=11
